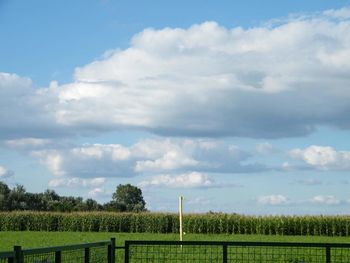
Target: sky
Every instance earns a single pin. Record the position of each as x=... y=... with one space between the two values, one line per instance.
x=239 y=106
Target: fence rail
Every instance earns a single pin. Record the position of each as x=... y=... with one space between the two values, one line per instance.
x=184 y=251
x=6 y=257
x=240 y=252
x=98 y=252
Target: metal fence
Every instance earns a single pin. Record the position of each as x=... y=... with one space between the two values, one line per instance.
x=238 y=252
x=98 y=252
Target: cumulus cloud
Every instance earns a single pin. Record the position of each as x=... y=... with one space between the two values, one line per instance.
x=205 y=80
x=95 y=160
x=4 y=173
x=272 y=200
x=343 y=13
x=98 y=192
x=325 y=199
x=27 y=143
x=323 y=157
x=77 y=182
x=26 y=112
x=187 y=180
x=209 y=80
x=148 y=156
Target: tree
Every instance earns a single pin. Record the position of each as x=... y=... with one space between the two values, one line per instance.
x=114 y=206
x=131 y=197
x=17 y=198
x=4 y=196
x=91 y=205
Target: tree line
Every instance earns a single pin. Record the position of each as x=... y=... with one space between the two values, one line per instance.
x=126 y=198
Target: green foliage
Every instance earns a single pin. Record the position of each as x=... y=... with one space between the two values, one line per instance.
x=126 y=198
x=213 y=223
x=130 y=197
x=4 y=195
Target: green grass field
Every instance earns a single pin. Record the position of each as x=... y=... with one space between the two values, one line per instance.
x=45 y=239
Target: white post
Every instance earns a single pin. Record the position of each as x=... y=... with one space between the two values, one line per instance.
x=180 y=215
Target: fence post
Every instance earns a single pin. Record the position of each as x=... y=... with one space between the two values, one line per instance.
x=113 y=250
x=58 y=257
x=126 y=253
x=87 y=255
x=109 y=256
x=224 y=253
x=18 y=254
x=328 y=254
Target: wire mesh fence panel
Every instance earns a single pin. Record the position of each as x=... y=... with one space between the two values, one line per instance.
x=40 y=258
x=237 y=252
x=6 y=257
x=73 y=256
x=253 y=254
x=175 y=253
x=340 y=255
x=119 y=254
x=98 y=254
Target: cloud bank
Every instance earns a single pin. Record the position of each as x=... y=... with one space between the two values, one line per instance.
x=147 y=157
x=274 y=81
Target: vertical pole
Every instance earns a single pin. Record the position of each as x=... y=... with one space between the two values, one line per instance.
x=224 y=253
x=113 y=249
x=18 y=254
x=328 y=254
x=126 y=253
x=109 y=254
x=58 y=257
x=180 y=216
x=87 y=255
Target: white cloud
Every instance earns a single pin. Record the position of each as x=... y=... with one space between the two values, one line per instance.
x=169 y=161
x=25 y=112
x=147 y=157
x=272 y=200
x=27 y=143
x=77 y=182
x=343 y=13
x=98 y=192
x=265 y=148
x=200 y=81
x=98 y=151
x=4 y=173
x=57 y=182
x=325 y=199
x=204 y=81
x=198 y=201
x=323 y=157
x=88 y=161
x=188 y=180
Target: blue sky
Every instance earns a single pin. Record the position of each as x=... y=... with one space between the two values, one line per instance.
x=240 y=107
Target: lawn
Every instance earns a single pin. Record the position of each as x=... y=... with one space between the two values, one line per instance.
x=172 y=253
x=45 y=239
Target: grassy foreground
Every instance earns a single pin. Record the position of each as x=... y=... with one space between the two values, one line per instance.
x=28 y=239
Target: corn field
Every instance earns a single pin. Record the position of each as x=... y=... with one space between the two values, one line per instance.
x=169 y=223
